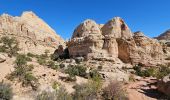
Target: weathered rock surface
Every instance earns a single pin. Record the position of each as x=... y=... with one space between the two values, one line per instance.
x=116 y=28
x=91 y=43
x=33 y=34
x=164 y=36
x=2 y=57
x=164 y=85
x=141 y=49
x=114 y=40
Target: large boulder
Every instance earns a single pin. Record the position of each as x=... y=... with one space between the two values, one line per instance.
x=164 y=85
x=33 y=34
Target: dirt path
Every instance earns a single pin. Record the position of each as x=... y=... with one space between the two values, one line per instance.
x=145 y=89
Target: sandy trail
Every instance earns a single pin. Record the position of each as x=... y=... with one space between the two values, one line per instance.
x=144 y=89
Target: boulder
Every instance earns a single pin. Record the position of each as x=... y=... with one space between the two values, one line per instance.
x=164 y=85
x=2 y=57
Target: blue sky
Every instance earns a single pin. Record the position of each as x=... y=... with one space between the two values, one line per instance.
x=149 y=16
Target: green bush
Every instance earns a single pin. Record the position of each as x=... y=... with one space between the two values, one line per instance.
x=94 y=74
x=22 y=60
x=5 y=91
x=51 y=64
x=9 y=45
x=114 y=91
x=147 y=72
x=30 y=55
x=41 y=61
x=162 y=72
x=31 y=80
x=76 y=70
x=59 y=94
x=87 y=91
x=62 y=65
x=44 y=95
x=158 y=72
x=62 y=94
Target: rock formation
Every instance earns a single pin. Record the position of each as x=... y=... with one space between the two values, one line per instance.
x=164 y=36
x=114 y=40
x=164 y=85
x=33 y=34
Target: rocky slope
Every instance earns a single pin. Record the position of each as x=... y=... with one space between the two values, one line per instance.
x=164 y=36
x=114 y=40
x=33 y=34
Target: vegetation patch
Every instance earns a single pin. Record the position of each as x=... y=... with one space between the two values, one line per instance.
x=5 y=91
x=9 y=46
x=23 y=72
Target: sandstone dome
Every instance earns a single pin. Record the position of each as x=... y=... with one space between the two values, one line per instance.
x=117 y=28
x=86 y=28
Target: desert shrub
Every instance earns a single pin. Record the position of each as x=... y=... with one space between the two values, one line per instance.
x=114 y=91
x=94 y=74
x=76 y=70
x=87 y=91
x=147 y=72
x=62 y=94
x=162 y=71
x=54 y=56
x=158 y=72
x=131 y=78
x=31 y=80
x=5 y=91
x=44 y=95
x=41 y=60
x=58 y=94
x=62 y=65
x=56 y=85
x=22 y=59
x=9 y=45
x=100 y=67
x=23 y=73
x=52 y=65
x=31 y=55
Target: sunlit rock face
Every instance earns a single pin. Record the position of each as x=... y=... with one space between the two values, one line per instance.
x=33 y=34
x=114 y=40
x=88 y=41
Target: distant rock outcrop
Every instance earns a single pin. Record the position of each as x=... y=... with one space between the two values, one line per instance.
x=164 y=36
x=114 y=40
x=33 y=34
